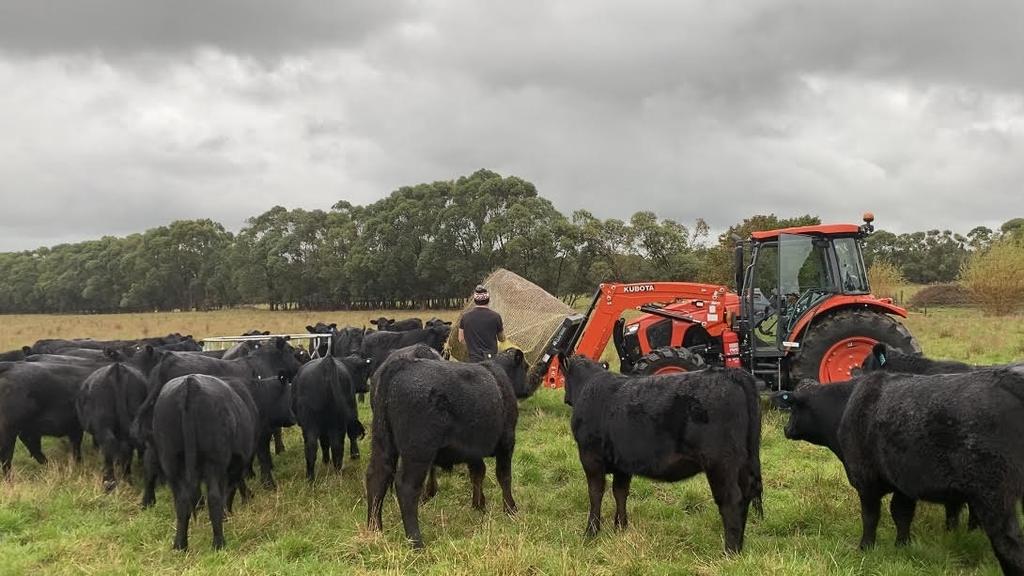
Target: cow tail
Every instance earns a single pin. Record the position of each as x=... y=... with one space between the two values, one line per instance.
x=188 y=430
x=124 y=419
x=754 y=485
x=333 y=382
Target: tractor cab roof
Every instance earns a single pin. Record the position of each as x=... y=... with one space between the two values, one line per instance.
x=819 y=230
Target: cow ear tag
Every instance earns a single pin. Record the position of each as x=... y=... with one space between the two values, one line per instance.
x=881 y=359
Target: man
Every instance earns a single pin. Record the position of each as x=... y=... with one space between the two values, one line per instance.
x=480 y=328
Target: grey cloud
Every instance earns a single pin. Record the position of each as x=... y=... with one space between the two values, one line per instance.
x=691 y=109
x=263 y=27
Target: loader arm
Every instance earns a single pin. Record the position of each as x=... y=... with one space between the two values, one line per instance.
x=610 y=301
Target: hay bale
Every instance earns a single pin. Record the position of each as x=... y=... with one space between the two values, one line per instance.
x=530 y=314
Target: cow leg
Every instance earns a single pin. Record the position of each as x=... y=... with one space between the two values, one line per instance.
x=430 y=489
x=477 y=469
x=972 y=519
x=266 y=464
x=215 y=503
x=728 y=495
x=902 y=509
x=953 y=515
x=594 y=469
x=503 y=473
x=353 y=441
x=184 y=503
x=325 y=447
x=33 y=442
x=870 y=510
x=408 y=487
x=380 y=473
x=110 y=449
x=336 y=439
x=76 y=445
x=278 y=441
x=7 y=452
x=150 y=468
x=620 y=488
x=309 y=439
x=1004 y=534
x=127 y=452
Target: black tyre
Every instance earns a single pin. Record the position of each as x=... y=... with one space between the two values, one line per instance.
x=667 y=361
x=839 y=342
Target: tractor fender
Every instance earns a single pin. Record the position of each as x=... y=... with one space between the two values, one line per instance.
x=883 y=305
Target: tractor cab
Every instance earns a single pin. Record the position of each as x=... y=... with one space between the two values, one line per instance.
x=795 y=278
x=790 y=272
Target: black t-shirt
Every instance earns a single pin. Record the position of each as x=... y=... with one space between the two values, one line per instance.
x=480 y=327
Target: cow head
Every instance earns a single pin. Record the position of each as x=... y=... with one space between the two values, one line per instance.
x=876 y=360
x=383 y=323
x=578 y=370
x=435 y=321
x=437 y=336
x=514 y=364
x=815 y=411
x=359 y=369
x=275 y=399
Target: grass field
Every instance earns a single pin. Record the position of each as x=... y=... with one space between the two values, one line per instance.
x=55 y=519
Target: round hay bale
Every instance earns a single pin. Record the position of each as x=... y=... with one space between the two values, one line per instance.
x=530 y=314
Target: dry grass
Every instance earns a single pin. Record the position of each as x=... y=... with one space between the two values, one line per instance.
x=21 y=330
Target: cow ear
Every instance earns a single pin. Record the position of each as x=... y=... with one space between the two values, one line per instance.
x=785 y=399
x=333 y=324
x=448 y=323
x=879 y=352
x=310 y=329
x=391 y=320
x=26 y=350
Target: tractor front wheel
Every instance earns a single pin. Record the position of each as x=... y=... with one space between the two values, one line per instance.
x=668 y=361
x=840 y=342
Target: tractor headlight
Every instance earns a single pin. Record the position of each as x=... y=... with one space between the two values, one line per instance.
x=632 y=329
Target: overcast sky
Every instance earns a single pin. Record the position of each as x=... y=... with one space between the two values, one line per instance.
x=120 y=115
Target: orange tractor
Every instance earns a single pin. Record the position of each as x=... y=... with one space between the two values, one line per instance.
x=804 y=310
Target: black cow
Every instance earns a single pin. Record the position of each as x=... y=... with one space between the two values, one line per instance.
x=270 y=361
x=437 y=412
x=55 y=346
x=38 y=399
x=391 y=325
x=668 y=428
x=889 y=359
x=379 y=345
x=948 y=438
x=435 y=321
x=204 y=433
x=15 y=355
x=325 y=407
x=106 y=406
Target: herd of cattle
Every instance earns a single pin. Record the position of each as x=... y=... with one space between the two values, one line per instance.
x=916 y=428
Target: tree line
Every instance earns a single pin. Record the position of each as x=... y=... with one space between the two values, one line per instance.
x=423 y=246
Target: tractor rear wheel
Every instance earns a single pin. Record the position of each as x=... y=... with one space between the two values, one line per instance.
x=840 y=342
x=668 y=361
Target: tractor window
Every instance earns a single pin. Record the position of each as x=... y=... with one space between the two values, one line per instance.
x=804 y=278
x=852 y=276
